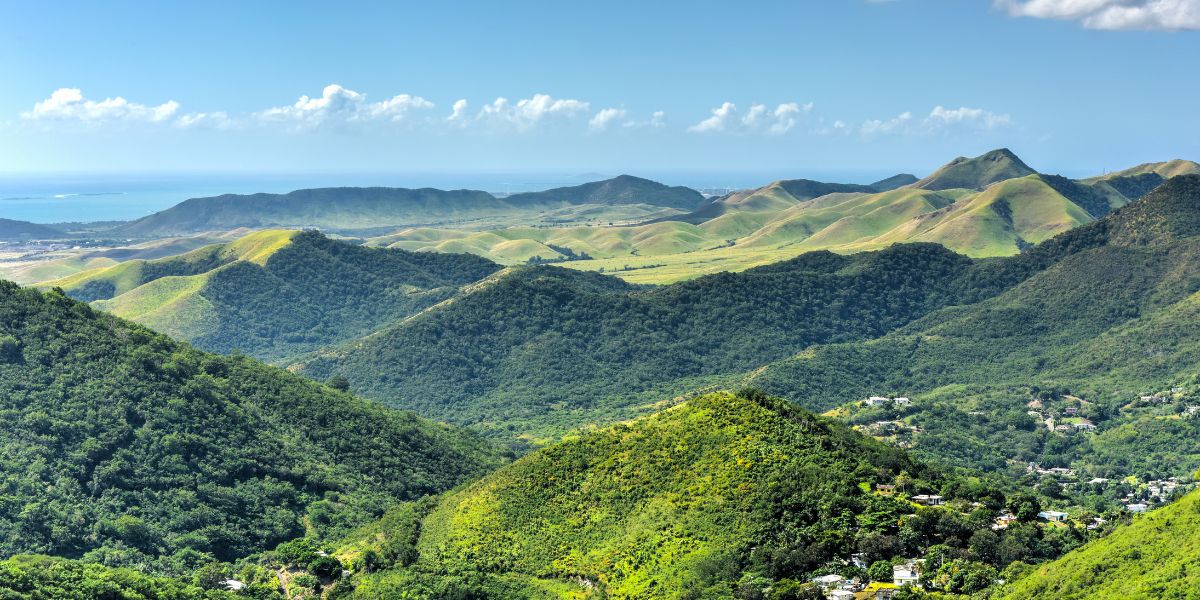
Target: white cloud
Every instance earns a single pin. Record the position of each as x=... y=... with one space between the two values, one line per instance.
x=217 y=120
x=976 y=117
x=759 y=119
x=895 y=124
x=458 y=112
x=606 y=117
x=528 y=113
x=1171 y=15
x=339 y=104
x=69 y=104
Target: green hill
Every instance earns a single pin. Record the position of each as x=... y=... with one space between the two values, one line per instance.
x=724 y=496
x=893 y=182
x=122 y=446
x=1152 y=558
x=623 y=189
x=378 y=207
x=542 y=350
x=1105 y=318
x=976 y=173
x=23 y=230
x=274 y=294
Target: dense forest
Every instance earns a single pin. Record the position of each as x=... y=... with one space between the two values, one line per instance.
x=124 y=447
x=725 y=496
x=544 y=349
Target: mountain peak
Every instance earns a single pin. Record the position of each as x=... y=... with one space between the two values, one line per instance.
x=978 y=172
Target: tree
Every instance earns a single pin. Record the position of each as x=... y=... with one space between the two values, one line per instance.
x=1024 y=506
x=339 y=382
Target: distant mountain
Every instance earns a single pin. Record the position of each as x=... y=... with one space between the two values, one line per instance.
x=1166 y=170
x=976 y=173
x=777 y=195
x=624 y=189
x=125 y=447
x=377 y=207
x=1151 y=558
x=721 y=493
x=276 y=294
x=893 y=182
x=22 y=230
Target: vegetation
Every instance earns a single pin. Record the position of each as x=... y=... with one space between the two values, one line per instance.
x=1154 y=557
x=723 y=496
x=541 y=350
x=124 y=447
x=275 y=294
x=623 y=189
x=976 y=173
x=43 y=577
x=20 y=230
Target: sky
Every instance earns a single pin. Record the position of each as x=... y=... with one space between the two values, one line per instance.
x=1072 y=86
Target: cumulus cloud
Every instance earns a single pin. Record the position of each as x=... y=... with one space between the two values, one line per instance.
x=218 y=120
x=606 y=117
x=458 y=112
x=528 y=113
x=339 y=104
x=1171 y=15
x=69 y=104
x=940 y=119
x=758 y=119
x=976 y=117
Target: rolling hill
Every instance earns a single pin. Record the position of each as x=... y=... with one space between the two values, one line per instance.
x=535 y=351
x=1105 y=319
x=374 y=208
x=976 y=173
x=1003 y=208
x=124 y=447
x=275 y=294
x=11 y=230
x=1154 y=557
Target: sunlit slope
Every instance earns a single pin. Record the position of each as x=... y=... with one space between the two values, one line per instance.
x=274 y=294
x=644 y=509
x=1154 y=557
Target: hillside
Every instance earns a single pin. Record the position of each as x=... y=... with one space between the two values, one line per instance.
x=723 y=492
x=23 y=230
x=125 y=447
x=274 y=294
x=1109 y=320
x=893 y=182
x=378 y=207
x=976 y=173
x=1154 y=557
x=623 y=189
x=539 y=350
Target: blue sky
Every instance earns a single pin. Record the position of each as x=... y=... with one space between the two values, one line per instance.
x=1073 y=86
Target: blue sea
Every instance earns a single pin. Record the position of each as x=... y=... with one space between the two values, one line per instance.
x=85 y=198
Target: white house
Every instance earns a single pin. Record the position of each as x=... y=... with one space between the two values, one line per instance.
x=876 y=401
x=1136 y=508
x=841 y=595
x=828 y=581
x=1053 y=516
x=902 y=401
x=906 y=574
x=233 y=585
x=928 y=500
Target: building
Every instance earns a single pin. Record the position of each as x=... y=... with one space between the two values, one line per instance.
x=908 y=573
x=1070 y=411
x=902 y=401
x=885 y=594
x=841 y=595
x=1136 y=508
x=876 y=401
x=886 y=489
x=1085 y=425
x=828 y=581
x=928 y=500
x=1053 y=516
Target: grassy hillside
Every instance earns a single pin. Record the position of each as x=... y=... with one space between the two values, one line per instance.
x=125 y=447
x=976 y=173
x=541 y=350
x=893 y=182
x=724 y=496
x=1108 y=322
x=274 y=294
x=1154 y=557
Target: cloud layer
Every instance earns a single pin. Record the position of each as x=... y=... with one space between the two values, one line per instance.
x=758 y=119
x=1170 y=15
x=69 y=104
